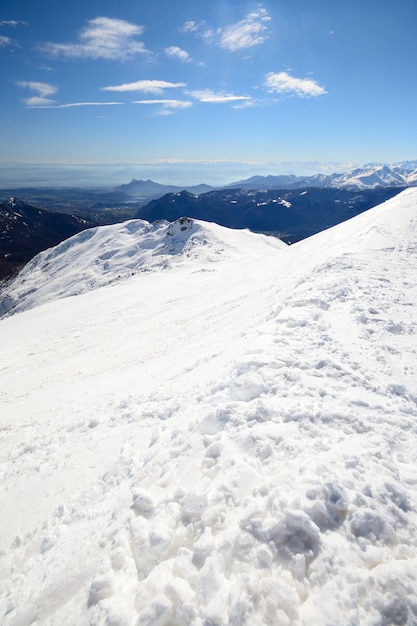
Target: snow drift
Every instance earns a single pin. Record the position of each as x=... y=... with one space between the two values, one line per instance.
x=233 y=446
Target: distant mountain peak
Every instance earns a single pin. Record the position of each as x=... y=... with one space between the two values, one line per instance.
x=15 y=203
x=367 y=176
x=150 y=189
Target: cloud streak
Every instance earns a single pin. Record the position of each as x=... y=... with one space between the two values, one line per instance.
x=102 y=38
x=70 y=105
x=175 y=104
x=166 y=106
x=207 y=95
x=283 y=83
x=13 y=23
x=147 y=86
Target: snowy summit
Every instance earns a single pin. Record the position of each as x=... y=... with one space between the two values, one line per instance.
x=107 y=254
x=205 y=427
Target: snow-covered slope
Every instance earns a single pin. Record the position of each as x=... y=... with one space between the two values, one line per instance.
x=371 y=176
x=107 y=254
x=235 y=446
x=368 y=176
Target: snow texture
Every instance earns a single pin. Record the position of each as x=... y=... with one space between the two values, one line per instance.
x=107 y=254
x=226 y=438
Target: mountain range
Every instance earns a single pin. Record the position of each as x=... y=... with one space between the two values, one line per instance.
x=205 y=426
x=365 y=177
x=288 y=206
x=290 y=214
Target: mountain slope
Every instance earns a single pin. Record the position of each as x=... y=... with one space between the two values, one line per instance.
x=293 y=214
x=365 y=177
x=219 y=443
x=107 y=254
x=26 y=230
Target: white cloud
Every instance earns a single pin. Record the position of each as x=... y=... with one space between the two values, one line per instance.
x=207 y=95
x=42 y=90
x=178 y=53
x=5 y=41
x=148 y=86
x=175 y=104
x=37 y=102
x=42 y=100
x=251 y=31
x=246 y=104
x=166 y=107
x=13 y=23
x=199 y=29
x=103 y=38
x=189 y=27
x=284 y=83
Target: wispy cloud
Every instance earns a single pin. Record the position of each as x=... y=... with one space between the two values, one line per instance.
x=5 y=41
x=178 y=53
x=8 y=41
x=70 y=105
x=251 y=31
x=175 y=104
x=102 y=38
x=207 y=95
x=198 y=29
x=13 y=23
x=42 y=91
x=190 y=27
x=148 y=86
x=284 y=83
x=166 y=107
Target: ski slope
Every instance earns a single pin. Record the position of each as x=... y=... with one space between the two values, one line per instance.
x=221 y=436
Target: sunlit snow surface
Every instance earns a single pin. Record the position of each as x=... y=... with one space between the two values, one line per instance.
x=225 y=433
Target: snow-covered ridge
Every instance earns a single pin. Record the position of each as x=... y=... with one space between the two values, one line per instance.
x=107 y=254
x=219 y=448
x=14 y=203
x=370 y=176
x=364 y=177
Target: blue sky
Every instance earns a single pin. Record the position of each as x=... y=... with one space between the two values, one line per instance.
x=274 y=86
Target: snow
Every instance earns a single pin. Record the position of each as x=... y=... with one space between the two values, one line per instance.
x=227 y=437
x=371 y=176
x=107 y=254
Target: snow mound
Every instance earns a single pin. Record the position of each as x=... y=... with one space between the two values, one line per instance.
x=107 y=254
x=231 y=447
